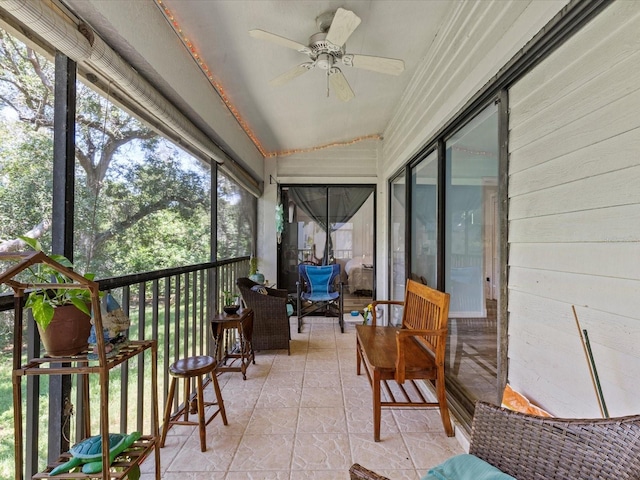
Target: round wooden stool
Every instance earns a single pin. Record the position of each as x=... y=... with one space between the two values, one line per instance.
x=187 y=368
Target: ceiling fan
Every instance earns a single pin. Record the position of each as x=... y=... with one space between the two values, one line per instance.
x=327 y=48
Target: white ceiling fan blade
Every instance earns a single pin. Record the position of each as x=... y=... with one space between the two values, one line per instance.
x=277 y=39
x=291 y=74
x=339 y=85
x=390 y=66
x=343 y=25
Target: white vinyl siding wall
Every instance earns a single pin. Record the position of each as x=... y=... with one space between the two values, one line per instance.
x=574 y=219
x=475 y=42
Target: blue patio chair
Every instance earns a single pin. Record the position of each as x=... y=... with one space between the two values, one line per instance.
x=320 y=292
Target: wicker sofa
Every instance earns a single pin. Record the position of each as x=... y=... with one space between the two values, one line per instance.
x=271 y=322
x=536 y=448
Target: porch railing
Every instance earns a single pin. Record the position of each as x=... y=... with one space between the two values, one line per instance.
x=170 y=306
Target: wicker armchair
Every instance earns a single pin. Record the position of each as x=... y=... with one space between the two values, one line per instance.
x=529 y=447
x=271 y=322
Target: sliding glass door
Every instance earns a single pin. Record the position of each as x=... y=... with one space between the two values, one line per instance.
x=471 y=258
x=424 y=228
x=326 y=225
x=397 y=247
x=454 y=246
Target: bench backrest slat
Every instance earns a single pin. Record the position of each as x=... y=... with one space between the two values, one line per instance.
x=427 y=309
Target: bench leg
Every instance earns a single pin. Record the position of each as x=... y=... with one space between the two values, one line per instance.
x=442 y=401
x=375 y=386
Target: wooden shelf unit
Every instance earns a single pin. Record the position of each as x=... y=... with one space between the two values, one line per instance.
x=81 y=364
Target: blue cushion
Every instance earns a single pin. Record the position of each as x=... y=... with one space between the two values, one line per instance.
x=465 y=467
x=289 y=309
x=320 y=281
x=260 y=289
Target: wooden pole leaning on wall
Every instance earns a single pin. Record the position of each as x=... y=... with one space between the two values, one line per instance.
x=586 y=346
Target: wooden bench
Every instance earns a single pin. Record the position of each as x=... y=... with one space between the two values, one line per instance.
x=413 y=351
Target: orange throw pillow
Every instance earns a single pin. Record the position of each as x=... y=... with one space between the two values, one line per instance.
x=516 y=401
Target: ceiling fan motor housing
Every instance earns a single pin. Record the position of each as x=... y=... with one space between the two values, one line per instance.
x=324 y=20
x=319 y=45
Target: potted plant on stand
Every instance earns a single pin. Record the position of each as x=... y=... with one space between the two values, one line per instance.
x=62 y=315
x=230 y=302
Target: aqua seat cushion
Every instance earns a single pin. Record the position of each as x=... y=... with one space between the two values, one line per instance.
x=466 y=467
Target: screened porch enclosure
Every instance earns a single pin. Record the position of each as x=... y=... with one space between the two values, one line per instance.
x=500 y=170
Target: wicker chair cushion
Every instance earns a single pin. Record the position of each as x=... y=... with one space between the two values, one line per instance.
x=465 y=467
x=260 y=289
x=265 y=291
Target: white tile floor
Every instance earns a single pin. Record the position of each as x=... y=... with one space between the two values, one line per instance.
x=305 y=416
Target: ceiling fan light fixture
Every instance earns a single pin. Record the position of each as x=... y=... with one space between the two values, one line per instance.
x=325 y=61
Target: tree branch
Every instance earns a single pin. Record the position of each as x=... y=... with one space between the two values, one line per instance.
x=36 y=232
x=33 y=59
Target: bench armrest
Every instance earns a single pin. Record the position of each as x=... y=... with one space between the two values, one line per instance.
x=387 y=302
x=402 y=336
x=383 y=302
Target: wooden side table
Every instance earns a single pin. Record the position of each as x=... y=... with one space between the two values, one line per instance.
x=232 y=341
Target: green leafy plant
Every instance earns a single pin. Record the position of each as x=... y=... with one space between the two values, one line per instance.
x=253 y=265
x=229 y=298
x=42 y=303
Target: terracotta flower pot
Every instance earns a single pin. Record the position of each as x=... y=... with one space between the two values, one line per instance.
x=68 y=332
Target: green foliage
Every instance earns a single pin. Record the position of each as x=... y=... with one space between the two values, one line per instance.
x=43 y=302
x=229 y=298
x=140 y=203
x=236 y=219
x=253 y=265
x=148 y=215
x=25 y=178
x=6 y=330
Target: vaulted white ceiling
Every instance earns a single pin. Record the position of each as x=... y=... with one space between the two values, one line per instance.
x=297 y=115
